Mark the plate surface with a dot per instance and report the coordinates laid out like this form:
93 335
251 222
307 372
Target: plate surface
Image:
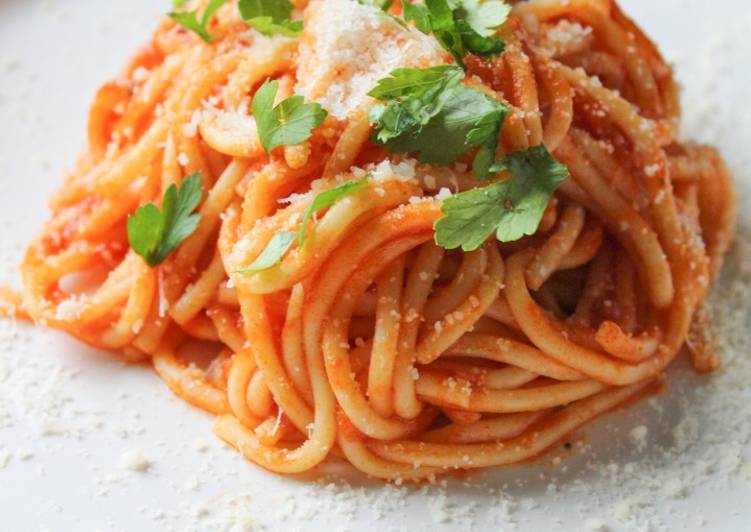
68 414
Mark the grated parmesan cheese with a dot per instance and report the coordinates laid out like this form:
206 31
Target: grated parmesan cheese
638 437
70 309
443 194
596 524
386 170
134 460
347 47
4 458
699 432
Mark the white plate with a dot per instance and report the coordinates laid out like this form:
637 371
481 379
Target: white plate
68 413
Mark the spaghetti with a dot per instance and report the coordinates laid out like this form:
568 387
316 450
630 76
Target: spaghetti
371 342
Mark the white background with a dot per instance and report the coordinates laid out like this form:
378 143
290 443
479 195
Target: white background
67 413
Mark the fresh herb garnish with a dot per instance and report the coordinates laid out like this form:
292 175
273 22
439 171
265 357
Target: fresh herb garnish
416 82
155 233
273 252
270 17
415 96
191 21
511 208
461 26
326 199
430 113
281 242
289 123
484 17
381 4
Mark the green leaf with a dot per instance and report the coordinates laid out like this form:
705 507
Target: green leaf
191 21
381 4
478 45
417 96
266 26
155 233
278 10
486 134
419 14
461 26
512 208
145 230
326 199
431 114
262 108
485 17
444 28
270 17
415 82
484 159
291 122
273 252
211 10
281 242
180 222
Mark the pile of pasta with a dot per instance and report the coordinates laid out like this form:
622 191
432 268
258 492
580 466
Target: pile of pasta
371 343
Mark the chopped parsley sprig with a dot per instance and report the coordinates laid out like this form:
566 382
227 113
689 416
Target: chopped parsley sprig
326 199
270 17
461 26
381 4
430 113
155 233
273 252
290 122
511 208
190 20
282 241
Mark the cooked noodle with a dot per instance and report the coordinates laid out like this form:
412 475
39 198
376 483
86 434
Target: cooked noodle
371 342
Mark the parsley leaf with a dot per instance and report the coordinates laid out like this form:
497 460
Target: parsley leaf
190 20
155 233
326 199
485 17
415 82
486 134
381 4
276 9
270 17
512 208
416 95
461 26
281 242
468 117
273 252
419 14
430 113
267 26
290 122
